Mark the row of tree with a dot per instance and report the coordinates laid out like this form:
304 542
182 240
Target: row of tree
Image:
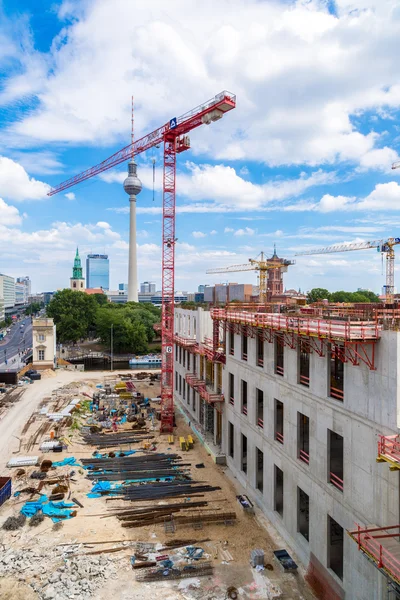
79 316
318 294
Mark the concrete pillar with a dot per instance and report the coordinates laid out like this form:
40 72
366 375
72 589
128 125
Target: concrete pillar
132 269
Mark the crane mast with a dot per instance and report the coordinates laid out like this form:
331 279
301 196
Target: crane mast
175 139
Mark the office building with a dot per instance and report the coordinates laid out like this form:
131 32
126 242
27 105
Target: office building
117 296
200 289
97 271
295 404
20 294
123 287
147 287
221 293
7 291
27 287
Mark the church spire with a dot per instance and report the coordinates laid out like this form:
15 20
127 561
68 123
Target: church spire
77 268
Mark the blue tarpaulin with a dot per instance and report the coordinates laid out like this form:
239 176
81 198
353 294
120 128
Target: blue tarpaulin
70 460
57 511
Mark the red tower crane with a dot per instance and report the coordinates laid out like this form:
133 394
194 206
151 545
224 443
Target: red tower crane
173 135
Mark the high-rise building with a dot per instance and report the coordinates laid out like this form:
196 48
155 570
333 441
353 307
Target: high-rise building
27 284
77 281
201 288
7 290
148 287
98 271
123 287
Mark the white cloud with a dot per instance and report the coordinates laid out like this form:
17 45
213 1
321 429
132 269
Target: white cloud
70 196
245 231
199 234
314 61
385 197
9 215
15 183
213 232
228 230
103 225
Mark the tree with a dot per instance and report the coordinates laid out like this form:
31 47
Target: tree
33 308
127 336
317 294
101 299
74 314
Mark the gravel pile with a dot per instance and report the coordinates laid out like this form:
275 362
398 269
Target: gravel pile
55 576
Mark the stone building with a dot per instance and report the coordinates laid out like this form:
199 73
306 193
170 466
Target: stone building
44 344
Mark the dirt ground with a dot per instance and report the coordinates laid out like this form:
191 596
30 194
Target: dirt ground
93 525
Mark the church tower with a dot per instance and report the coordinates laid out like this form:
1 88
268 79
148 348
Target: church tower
77 280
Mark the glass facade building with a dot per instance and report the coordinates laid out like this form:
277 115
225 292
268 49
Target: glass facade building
98 271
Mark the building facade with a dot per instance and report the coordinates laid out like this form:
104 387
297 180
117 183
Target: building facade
148 287
7 291
98 271
296 417
27 287
43 344
77 281
221 293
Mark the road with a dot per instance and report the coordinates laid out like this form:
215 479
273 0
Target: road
14 420
15 343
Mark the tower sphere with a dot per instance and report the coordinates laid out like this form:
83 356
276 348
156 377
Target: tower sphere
132 184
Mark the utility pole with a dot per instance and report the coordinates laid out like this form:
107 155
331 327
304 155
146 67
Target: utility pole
112 330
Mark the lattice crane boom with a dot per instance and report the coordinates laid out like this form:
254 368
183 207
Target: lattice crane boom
385 246
260 264
173 136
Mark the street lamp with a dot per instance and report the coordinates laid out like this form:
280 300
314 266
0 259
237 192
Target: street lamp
111 362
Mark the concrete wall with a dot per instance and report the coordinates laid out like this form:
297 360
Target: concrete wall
370 407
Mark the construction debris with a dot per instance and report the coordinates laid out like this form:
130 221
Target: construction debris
13 523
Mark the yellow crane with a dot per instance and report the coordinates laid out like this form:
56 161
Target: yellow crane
383 246
260 264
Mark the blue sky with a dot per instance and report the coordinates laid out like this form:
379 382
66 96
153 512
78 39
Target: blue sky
304 161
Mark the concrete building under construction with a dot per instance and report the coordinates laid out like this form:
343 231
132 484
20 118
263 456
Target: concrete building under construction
305 409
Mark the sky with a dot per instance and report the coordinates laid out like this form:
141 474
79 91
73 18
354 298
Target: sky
303 162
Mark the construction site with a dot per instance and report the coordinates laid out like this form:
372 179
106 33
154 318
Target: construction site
263 461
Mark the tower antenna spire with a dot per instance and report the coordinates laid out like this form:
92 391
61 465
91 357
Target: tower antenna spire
132 129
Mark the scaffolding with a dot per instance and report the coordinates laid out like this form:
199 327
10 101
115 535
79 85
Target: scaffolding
380 546
200 385
352 341
389 450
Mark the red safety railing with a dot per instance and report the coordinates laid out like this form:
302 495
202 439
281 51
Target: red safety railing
279 437
336 393
260 423
304 325
232 401
389 446
336 481
244 356
244 410
183 341
368 543
304 380
260 362
304 456
279 370
231 351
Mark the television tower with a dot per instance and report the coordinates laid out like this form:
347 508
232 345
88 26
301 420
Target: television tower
133 187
